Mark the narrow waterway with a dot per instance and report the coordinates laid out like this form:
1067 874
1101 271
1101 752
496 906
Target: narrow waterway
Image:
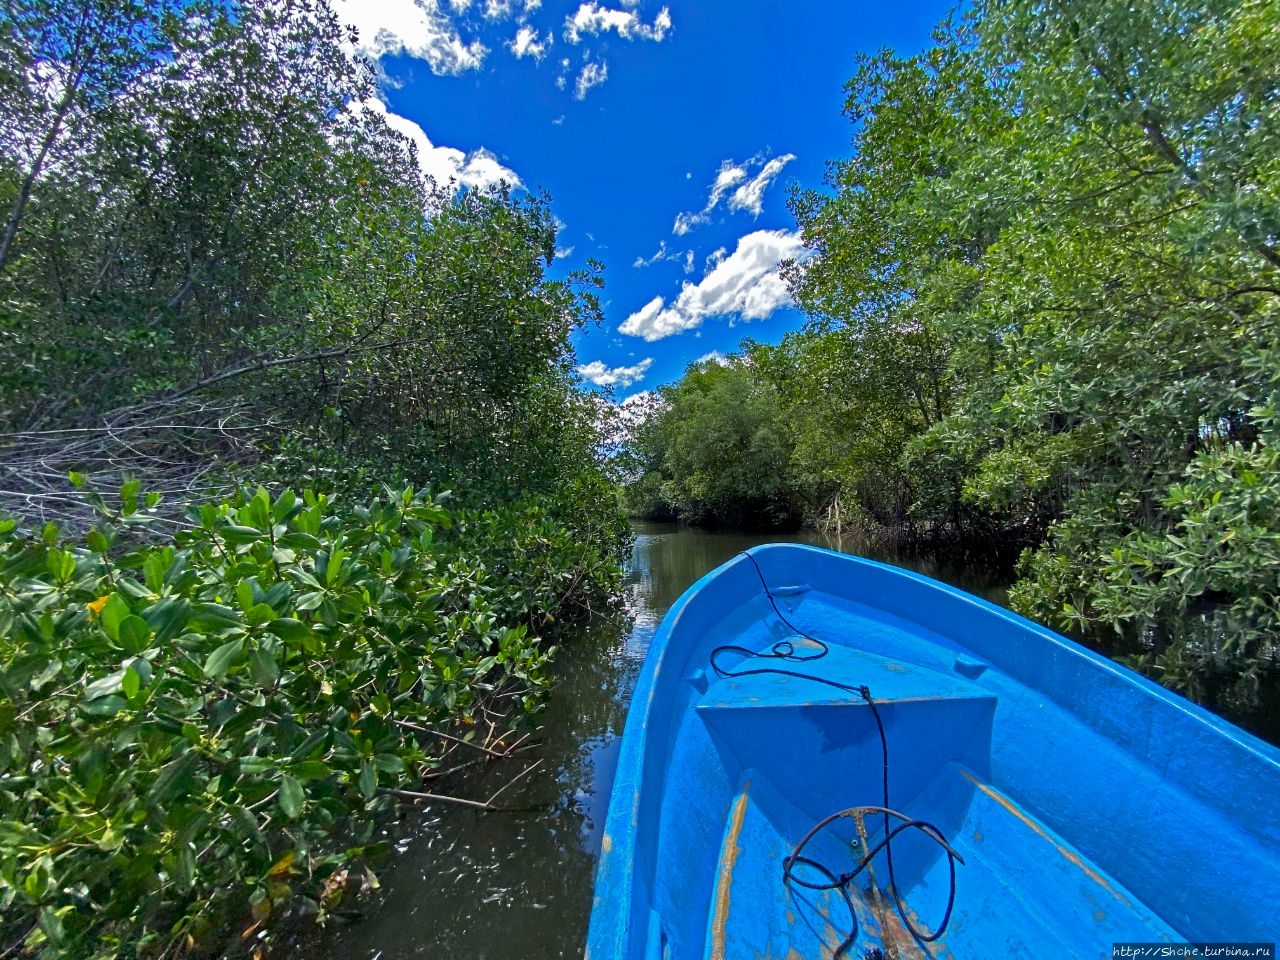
517 885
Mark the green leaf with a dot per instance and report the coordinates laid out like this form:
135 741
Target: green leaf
104 706
299 541
153 571
168 617
224 658
314 740
368 780
264 668
129 495
285 507
173 780
292 796
245 594
61 565
113 614
130 683
309 601
104 686
215 616
286 628
185 860
238 536
310 770
135 634
259 510
259 614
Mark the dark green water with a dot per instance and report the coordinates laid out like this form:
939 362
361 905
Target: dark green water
517 886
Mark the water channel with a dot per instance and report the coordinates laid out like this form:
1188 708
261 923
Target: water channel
517 885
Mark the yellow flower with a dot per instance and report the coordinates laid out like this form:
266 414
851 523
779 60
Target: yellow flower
95 606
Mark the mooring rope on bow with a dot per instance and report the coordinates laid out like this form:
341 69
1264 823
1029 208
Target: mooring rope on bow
785 651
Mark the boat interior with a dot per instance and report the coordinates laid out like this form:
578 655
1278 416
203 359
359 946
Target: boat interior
1042 798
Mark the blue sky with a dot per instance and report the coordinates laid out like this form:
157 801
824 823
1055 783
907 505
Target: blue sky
667 134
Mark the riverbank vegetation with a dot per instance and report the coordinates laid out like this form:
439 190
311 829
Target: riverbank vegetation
241 339
1043 303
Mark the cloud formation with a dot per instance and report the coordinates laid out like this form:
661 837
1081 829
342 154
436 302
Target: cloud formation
592 75
591 18
526 43
479 169
602 376
418 28
685 259
748 196
744 285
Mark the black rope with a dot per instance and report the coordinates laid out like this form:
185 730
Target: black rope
784 650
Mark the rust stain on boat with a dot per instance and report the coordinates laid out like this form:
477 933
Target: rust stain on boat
728 857
1069 855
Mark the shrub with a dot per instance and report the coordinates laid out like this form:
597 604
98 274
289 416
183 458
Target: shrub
205 729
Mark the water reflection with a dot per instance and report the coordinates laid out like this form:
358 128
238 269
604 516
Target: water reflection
518 885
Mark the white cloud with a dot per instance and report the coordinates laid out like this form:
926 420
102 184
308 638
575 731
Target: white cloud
564 251
688 261
494 9
418 28
715 356
663 254
687 221
728 175
594 19
714 257
603 376
750 196
743 285
592 75
479 169
526 43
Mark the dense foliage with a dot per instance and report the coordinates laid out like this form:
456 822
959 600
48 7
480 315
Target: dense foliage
1043 303
221 269
218 245
185 725
710 450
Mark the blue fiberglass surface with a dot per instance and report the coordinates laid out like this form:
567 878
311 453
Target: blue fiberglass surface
1089 805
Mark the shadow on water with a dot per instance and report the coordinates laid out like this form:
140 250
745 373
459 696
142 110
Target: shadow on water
518 885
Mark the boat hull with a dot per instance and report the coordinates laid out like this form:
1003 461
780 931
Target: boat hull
1089 806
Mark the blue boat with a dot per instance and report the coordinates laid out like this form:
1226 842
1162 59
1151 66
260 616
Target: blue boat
830 757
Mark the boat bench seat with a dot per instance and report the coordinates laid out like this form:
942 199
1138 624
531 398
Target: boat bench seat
888 680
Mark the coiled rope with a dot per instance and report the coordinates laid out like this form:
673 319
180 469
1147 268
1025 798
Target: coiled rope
785 651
